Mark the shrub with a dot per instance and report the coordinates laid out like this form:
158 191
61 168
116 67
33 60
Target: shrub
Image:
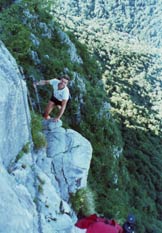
19 156
83 201
14 34
24 150
4 4
36 128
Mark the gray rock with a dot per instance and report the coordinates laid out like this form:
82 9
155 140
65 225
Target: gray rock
35 189
34 40
72 49
17 209
71 154
14 111
46 31
35 58
79 82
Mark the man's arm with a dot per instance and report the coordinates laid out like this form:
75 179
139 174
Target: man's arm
42 82
63 107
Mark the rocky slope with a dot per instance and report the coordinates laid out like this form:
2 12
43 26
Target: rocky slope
36 186
125 37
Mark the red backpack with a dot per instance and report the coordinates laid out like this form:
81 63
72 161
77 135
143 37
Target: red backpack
95 224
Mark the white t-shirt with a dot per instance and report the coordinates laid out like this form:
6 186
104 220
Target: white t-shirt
62 94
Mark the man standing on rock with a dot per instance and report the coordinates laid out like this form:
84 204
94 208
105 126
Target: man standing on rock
59 97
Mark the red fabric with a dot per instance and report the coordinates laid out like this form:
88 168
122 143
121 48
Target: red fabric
94 224
101 227
117 226
84 223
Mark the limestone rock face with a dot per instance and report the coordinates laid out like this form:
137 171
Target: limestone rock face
14 111
71 154
17 208
62 170
35 188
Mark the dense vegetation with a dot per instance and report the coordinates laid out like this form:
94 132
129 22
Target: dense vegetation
139 18
126 137
131 72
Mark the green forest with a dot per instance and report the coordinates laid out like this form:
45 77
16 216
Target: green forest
116 104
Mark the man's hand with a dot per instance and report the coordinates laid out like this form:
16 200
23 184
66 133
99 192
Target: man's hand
56 119
34 84
42 82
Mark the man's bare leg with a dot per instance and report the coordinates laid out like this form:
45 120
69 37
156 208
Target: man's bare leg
48 109
59 107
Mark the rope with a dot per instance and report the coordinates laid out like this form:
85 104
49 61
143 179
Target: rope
33 161
37 95
30 101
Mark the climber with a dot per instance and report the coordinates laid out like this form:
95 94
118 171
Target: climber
95 224
59 97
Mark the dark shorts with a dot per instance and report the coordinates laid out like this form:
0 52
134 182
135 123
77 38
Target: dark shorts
56 101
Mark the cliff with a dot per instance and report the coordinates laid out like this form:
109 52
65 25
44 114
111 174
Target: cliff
36 184
116 104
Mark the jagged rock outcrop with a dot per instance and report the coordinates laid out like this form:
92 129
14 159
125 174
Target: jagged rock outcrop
70 154
74 57
35 188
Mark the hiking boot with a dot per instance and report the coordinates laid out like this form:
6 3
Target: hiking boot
47 117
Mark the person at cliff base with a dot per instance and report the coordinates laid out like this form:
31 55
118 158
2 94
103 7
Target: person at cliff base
95 224
59 98
129 225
